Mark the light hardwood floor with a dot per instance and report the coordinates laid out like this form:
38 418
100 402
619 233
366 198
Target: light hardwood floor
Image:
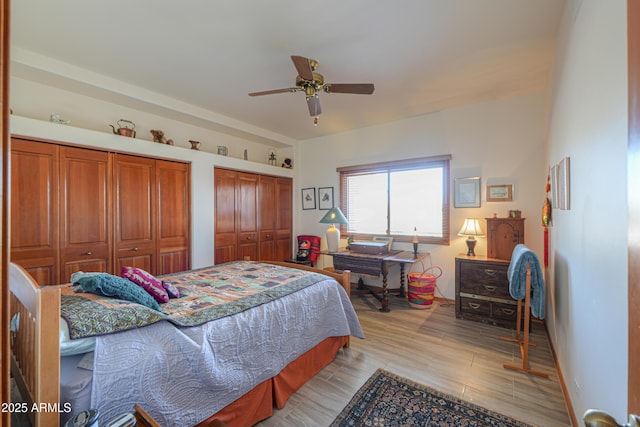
432 347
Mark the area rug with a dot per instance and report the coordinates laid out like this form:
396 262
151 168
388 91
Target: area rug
387 400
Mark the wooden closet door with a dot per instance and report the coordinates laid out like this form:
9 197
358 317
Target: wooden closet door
34 209
267 217
226 242
85 211
247 216
284 218
135 204
173 184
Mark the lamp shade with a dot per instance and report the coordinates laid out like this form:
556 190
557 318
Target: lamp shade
471 227
334 216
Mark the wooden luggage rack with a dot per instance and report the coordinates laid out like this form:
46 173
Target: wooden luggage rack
523 339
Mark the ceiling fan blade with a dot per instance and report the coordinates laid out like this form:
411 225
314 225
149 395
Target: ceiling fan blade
303 65
357 88
270 92
313 102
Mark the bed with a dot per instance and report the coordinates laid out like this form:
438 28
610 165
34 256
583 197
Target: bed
235 361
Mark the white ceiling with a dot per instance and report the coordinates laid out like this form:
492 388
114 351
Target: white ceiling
207 55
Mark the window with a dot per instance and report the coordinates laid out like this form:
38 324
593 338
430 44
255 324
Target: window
396 198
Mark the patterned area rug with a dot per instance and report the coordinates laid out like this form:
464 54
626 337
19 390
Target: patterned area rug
389 400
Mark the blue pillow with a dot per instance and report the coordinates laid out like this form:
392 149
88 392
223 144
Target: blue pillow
109 285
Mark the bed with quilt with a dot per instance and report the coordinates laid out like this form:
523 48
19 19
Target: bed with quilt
227 342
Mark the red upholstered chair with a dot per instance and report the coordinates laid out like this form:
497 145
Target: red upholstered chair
308 248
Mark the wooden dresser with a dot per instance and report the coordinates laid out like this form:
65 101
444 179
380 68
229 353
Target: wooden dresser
482 291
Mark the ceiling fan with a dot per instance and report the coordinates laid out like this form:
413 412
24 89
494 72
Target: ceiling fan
312 83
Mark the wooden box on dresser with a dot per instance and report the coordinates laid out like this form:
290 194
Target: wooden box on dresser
482 291
503 234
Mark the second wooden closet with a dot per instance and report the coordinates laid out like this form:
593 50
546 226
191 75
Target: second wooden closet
253 216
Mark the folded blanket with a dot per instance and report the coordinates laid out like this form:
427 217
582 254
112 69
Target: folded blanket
517 274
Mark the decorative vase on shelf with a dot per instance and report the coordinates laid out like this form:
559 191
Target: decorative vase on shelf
195 145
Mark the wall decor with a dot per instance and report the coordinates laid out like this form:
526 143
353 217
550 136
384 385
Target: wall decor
553 173
325 198
500 193
309 198
158 136
466 192
272 156
564 185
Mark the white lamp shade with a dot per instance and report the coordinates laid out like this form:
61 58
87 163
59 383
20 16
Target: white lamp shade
333 238
471 227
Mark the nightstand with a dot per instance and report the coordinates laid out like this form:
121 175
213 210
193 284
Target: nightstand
482 291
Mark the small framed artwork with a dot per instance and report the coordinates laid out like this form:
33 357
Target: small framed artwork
553 174
564 185
308 198
500 193
466 192
325 198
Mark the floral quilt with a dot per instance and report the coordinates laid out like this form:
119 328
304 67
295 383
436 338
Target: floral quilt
205 294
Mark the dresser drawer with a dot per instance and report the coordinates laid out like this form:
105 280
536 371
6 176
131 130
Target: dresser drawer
484 279
487 311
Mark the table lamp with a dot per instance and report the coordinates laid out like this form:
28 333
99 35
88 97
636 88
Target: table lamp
471 228
333 216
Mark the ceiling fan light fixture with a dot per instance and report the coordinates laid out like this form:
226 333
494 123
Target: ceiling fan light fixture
312 84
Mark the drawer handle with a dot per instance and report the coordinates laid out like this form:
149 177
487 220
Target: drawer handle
490 288
89 253
508 311
474 305
135 249
248 237
490 272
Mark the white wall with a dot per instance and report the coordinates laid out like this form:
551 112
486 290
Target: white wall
37 101
500 141
587 281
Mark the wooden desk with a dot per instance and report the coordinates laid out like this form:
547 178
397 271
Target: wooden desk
374 265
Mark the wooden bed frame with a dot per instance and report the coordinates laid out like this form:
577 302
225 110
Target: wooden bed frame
35 353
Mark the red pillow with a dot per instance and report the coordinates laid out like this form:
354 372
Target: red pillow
146 281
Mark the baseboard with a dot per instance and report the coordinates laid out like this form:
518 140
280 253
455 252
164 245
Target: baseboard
563 385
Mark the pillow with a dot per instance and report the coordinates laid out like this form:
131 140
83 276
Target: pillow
117 287
69 347
172 291
145 280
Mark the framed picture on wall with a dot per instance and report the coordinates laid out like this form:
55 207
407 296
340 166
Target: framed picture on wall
325 198
309 198
466 192
564 185
500 193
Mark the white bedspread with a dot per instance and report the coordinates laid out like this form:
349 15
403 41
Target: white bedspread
183 376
